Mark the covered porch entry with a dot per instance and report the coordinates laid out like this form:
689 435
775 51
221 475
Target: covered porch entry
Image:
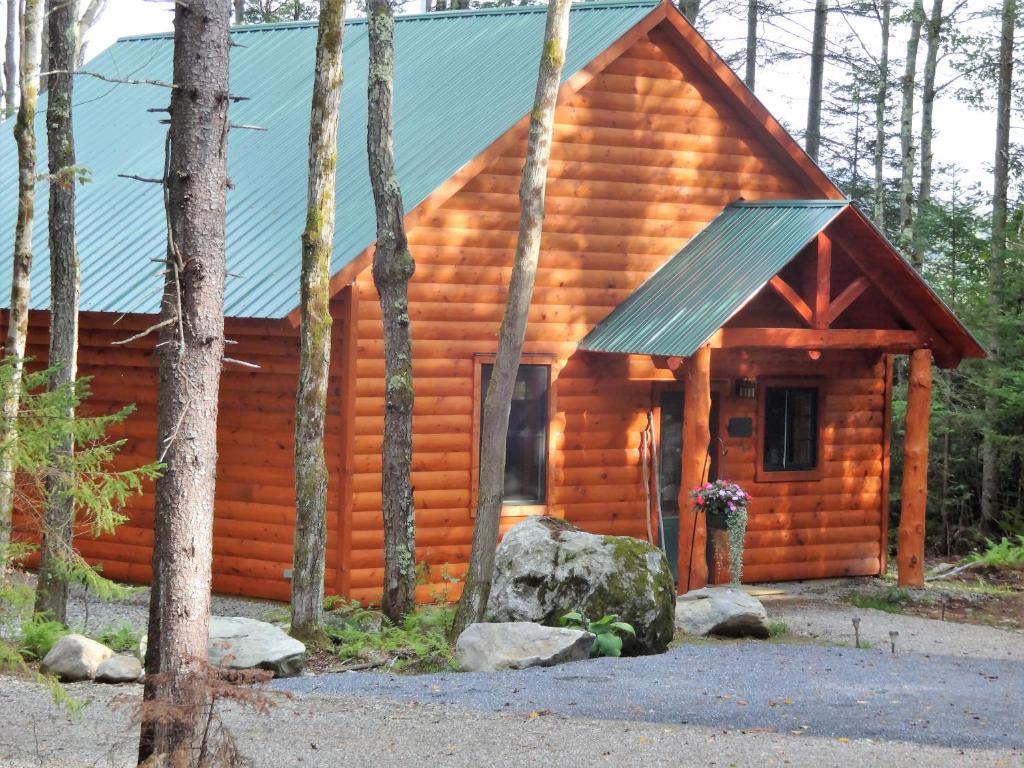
780 322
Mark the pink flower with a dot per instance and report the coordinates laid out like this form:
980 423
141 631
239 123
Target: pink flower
700 500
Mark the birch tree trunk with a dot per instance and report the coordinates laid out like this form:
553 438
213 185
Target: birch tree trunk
17 320
880 104
393 267
812 137
997 262
310 544
933 30
240 12
93 10
494 427
907 149
59 513
750 70
690 9
191 355
11 50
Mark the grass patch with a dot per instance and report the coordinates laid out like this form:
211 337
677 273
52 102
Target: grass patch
891 600
978 587
417 645
777 629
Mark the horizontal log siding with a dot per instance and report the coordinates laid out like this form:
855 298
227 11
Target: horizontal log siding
643 157
817 528
255 499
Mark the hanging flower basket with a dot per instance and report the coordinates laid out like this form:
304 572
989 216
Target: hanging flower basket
725 507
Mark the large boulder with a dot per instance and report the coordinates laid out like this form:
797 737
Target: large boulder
518 645
721 611
546 567
119 669
240 643
74 658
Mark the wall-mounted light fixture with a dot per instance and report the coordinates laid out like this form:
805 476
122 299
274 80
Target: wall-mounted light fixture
746 389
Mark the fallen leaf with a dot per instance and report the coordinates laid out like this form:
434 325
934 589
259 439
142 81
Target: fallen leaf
843 740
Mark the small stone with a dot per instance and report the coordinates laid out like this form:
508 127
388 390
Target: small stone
517 645
721 611
74 658
119 669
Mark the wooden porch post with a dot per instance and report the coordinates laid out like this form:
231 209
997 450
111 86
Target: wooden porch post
693 568
910 552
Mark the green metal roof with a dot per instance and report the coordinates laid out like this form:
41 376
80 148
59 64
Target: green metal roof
461 80
694 293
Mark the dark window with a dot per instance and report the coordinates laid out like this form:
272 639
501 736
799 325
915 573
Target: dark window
526 447
790 428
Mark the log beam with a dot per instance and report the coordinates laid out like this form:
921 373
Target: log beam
814 339
791 297
849 295
693 568
823 281
910 553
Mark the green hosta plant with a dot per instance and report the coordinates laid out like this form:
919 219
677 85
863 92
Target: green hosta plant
608 632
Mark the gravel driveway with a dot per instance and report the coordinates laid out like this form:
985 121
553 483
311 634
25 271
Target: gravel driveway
819 691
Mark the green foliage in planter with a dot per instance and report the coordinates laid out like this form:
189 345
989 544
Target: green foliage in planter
726 500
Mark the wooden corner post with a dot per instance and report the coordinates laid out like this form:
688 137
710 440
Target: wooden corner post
914 499
693 567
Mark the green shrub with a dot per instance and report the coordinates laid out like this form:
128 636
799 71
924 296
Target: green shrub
608 632
120 637
777 628
1004 554
37 636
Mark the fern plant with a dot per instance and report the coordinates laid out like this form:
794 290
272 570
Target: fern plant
608 632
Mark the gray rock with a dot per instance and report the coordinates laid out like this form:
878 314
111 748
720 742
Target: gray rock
517 645
74 658
721 611
119 669
240 643
546 567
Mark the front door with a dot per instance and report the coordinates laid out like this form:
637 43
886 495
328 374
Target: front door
670 468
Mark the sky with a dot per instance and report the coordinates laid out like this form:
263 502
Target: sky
964 136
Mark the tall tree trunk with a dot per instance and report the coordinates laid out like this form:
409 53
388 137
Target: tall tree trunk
997 264
315 332
191 355
880 104
494 427
690 9
933 30
393 267
239 11
750 70
17 320
11 50
58 517
812 137
907 149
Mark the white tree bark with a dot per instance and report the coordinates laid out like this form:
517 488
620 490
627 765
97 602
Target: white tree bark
907 148
17 321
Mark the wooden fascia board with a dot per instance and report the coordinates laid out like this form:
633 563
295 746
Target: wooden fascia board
517 132
697 49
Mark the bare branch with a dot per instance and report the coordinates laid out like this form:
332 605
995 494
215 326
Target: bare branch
156 327
133 177
242 363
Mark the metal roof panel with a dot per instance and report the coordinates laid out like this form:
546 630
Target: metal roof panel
461 80
698 290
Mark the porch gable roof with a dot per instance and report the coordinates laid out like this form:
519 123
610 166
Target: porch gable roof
696 292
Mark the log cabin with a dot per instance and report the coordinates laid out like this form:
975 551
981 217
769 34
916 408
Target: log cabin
708 304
